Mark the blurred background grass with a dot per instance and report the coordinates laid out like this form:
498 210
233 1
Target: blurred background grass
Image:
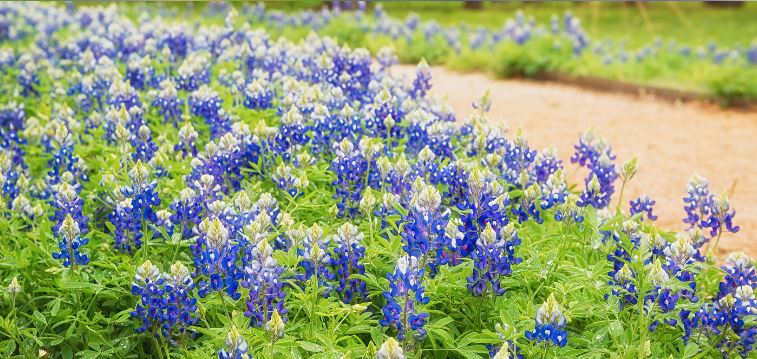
638 23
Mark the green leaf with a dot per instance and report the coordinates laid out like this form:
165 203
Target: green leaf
39 317
7 347
616 329
311 347
690 350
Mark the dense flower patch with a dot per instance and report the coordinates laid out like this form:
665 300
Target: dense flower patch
523 46
179 190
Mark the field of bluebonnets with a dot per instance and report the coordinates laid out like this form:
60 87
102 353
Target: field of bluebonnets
182 188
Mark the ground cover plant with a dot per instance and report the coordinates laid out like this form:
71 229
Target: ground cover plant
534 42
188 189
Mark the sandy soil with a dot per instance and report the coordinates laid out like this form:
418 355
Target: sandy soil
671 140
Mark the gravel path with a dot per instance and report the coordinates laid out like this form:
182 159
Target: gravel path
671 140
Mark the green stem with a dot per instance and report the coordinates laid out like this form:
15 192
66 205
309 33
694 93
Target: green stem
156 346
165 349
620 196
223 301
642 320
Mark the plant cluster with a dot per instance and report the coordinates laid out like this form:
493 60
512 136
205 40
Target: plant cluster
197 191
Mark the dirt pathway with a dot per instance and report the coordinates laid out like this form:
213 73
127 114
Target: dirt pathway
671 140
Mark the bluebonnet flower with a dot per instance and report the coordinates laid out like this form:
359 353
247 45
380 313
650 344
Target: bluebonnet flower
148 286
187 212
721 217
485 203
739 271
406 291
346 262
236 346
423 229
508 350
351 169
391 348
65 199
187 140
163 223
493 258
70 243
314 258
698 202
422 81
206 103
219 169
134 209
168 103
727 320
386 57
193 73
569 211
526 207
258 95
519 162
545 164
288 181
706 212
592 194
643 205
596 155
291 134
623 286
550 324
554 190
121 93
180 305
676 263
215 260
139 71
144 147
262 275
28 79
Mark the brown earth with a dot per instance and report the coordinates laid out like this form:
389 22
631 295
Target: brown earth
671 140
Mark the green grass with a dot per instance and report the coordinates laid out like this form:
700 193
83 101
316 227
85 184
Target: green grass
689 23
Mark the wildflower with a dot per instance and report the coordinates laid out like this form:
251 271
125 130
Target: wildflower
720 217
596 155
236 346
739 271
262 276
258 95
351 169
168 102
569 211
275 326
14 287
406 291
346 261
391 349
180 304
70 243
215 259
148 286
423 230
550 324
186 212
526 207
493 259
315 257
135 209
643 205
187 140
485 203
